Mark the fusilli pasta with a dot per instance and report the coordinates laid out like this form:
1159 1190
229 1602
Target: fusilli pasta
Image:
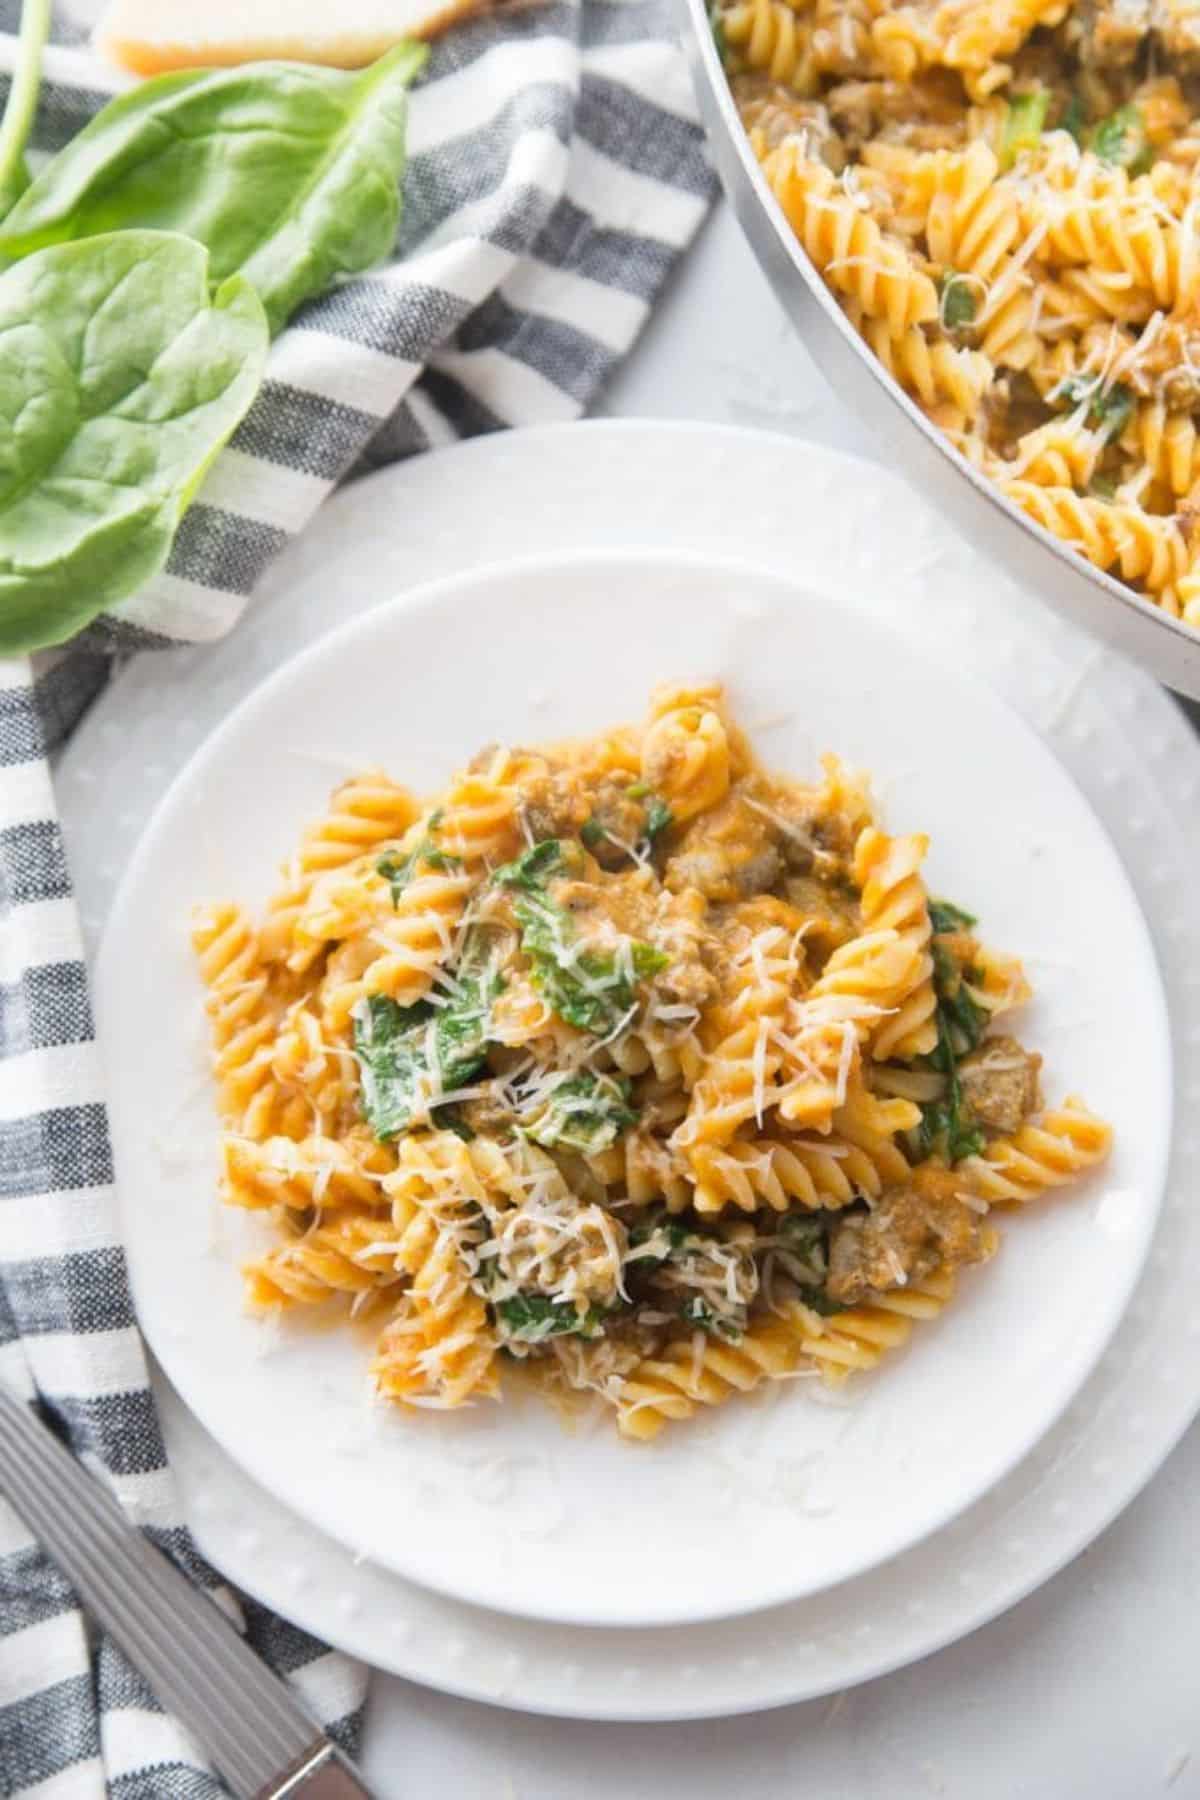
1001 194
628 1060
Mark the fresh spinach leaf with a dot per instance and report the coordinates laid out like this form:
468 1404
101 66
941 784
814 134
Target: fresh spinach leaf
120 379
584 1112
531 1318
1024 124
22 102
289 174
1121 139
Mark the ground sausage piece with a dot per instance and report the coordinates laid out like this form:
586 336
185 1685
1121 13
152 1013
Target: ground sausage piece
729 852
1000 1083
620 824
832 912
914 1230
554 805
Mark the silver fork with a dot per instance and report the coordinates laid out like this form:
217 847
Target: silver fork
242 1714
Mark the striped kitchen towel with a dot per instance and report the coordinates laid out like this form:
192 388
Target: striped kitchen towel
556 174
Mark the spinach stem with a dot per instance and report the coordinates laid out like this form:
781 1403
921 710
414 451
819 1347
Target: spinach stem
22 96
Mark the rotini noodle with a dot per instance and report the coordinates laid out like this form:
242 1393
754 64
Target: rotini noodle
629 1061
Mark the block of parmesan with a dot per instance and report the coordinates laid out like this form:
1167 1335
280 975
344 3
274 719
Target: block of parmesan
150 36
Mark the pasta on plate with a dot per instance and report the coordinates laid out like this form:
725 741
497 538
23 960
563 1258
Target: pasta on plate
629 1061
1002 196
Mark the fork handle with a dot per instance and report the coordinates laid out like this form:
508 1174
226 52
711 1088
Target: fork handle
320 1774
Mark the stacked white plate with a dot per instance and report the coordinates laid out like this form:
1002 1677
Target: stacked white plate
803 1546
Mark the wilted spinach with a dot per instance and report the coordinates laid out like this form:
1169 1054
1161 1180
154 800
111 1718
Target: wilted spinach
398 871
585 1112
947 1127
591 989
531 1318
406 1052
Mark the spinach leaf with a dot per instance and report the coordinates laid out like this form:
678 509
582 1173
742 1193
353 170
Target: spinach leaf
1108 408
120 379
806 1240
584 1112
945 917
946 1128
699 1313
406 1052
659 816
398 871
1121 139
717 26
1074 118
22 102
591 989
588 988
287 173
961 1022
956 304
665 1235
389 1044
531 1318
533 868
1023 125
807 1236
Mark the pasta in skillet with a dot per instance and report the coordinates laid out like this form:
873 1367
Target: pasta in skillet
1002 196
626 1060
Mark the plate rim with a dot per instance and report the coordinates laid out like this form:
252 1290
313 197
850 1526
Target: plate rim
428 596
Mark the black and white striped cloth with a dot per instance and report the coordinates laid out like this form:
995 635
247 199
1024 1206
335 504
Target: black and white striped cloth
556 174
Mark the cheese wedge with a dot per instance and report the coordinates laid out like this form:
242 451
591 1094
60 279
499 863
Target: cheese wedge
150 36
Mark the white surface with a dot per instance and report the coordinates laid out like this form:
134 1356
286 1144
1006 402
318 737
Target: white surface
1088 1689
565 1516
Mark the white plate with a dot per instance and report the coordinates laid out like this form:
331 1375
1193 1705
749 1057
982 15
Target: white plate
567 646
792 507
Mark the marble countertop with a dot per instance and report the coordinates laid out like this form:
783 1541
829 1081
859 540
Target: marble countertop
1089 1690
